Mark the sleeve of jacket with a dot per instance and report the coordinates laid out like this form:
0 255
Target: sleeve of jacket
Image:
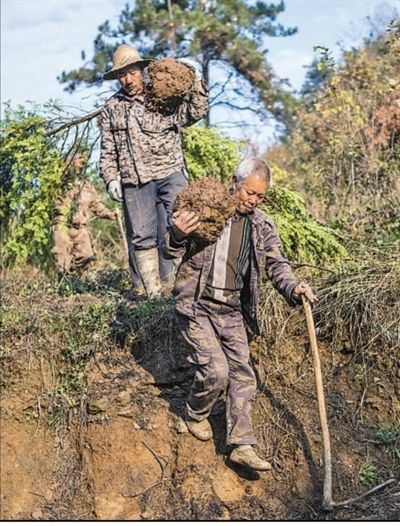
171 248
195 105
108 151
97 207
277 267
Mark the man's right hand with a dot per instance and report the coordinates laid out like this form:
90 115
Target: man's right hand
114 190
183 224
303 288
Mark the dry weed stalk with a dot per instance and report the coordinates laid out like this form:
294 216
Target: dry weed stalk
367 303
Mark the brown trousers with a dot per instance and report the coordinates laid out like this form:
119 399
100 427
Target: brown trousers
72 248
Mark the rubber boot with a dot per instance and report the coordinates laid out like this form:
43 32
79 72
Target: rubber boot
147 264
167 284
167 274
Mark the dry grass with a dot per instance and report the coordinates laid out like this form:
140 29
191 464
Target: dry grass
357 312
367 304
358 328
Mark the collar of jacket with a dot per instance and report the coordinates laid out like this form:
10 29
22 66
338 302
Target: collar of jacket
122 95
257 216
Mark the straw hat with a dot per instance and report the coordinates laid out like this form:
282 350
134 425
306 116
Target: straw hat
124 56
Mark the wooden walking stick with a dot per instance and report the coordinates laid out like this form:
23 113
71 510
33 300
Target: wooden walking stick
123 235
327 502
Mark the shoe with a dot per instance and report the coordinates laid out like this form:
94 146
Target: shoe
201 430
247 457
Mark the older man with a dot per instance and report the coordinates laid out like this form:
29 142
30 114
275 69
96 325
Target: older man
142 163
217 291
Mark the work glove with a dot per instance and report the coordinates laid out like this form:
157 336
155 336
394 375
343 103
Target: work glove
114 190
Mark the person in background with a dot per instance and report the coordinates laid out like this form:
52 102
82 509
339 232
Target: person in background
72 246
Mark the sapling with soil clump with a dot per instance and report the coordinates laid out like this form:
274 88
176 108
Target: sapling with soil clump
212 202
168 81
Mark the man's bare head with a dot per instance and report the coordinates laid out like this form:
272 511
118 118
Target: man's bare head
251 179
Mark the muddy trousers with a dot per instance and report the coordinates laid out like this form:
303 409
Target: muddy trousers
147 209
72 248
220 353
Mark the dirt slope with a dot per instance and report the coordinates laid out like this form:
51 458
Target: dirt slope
116 448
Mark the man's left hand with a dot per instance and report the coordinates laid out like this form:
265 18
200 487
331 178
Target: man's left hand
304 288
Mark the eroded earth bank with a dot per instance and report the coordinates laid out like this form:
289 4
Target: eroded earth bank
94 384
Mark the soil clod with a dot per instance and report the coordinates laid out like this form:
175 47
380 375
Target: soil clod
212 202
168 83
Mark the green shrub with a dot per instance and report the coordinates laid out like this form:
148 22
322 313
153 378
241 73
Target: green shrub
208 153
302 237
31 175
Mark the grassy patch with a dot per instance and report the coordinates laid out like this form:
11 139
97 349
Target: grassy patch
389 438
367 474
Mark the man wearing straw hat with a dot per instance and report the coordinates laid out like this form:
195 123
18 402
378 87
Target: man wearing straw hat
142 164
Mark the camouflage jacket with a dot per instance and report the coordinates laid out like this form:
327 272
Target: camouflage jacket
265 259
141 145
73 208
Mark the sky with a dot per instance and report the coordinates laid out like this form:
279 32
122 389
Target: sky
41 38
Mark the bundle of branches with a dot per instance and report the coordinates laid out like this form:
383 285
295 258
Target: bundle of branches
212 202
303 238
167 84
363 307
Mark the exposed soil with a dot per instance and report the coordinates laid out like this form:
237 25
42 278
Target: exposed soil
168 82
211 201
121 451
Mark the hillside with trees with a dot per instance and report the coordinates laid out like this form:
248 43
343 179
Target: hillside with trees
342 148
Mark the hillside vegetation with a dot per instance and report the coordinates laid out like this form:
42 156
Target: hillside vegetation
94 381
342 150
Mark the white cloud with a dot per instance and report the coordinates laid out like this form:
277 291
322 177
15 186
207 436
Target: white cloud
41 39
319 19
22 15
